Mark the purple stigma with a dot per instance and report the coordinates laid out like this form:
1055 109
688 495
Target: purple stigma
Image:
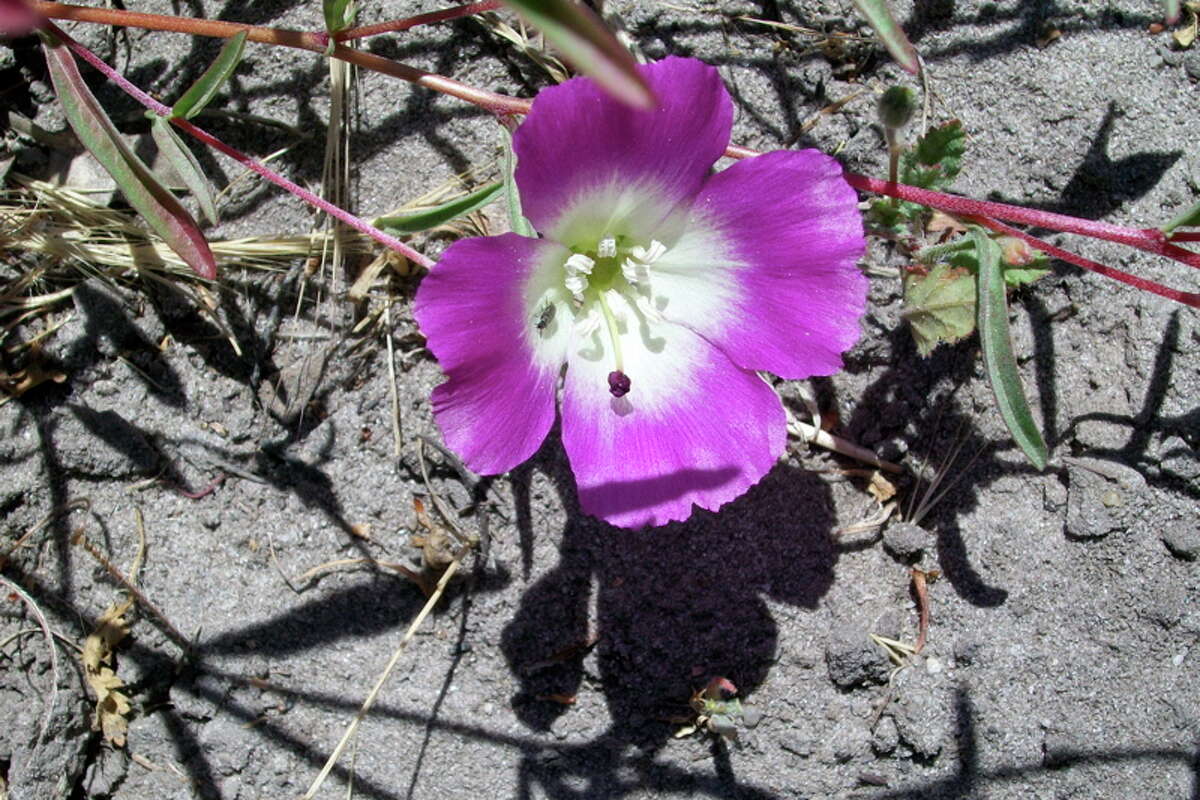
618 383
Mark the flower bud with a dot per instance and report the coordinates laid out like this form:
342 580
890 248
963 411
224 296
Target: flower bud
1015 252
896 106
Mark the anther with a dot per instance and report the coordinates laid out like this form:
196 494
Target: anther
607 247
618 383
578 263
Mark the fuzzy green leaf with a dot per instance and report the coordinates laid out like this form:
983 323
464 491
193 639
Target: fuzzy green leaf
185 165
881 19
201 93
935 161
1036 269
584 40
156 205
1188 219
998 356
940 306
339 15
424 220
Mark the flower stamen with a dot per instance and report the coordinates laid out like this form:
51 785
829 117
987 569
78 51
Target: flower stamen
578 266
615 336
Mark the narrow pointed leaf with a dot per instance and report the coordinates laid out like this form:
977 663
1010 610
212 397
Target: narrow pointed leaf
1171 8
998 356
584 40
185 165
157 206
339 15
516 219
1188 219
881 19
201 93
424 220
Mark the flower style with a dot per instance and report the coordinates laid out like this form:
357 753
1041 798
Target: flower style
662 287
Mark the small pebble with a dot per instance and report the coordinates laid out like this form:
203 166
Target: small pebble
1191 64
1182 540
905 540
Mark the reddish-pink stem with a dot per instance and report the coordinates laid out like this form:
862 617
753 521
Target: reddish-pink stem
1185 237
396 25
149 102
1149 239
1187 298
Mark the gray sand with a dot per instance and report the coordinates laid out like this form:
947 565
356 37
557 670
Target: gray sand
1064 645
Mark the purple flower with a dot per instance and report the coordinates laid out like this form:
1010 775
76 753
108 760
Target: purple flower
662 287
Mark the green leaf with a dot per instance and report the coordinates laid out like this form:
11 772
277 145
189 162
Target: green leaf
185 165
935 161
424 220
998 356
881 19
201 93
157 206
518 222
1188 219
1036 267
584 40
940 306
339 15
1171 11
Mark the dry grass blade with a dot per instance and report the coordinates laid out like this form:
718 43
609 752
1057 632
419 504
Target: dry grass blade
32 605
387 671
71 229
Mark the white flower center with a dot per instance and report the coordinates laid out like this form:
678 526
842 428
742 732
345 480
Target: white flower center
613 267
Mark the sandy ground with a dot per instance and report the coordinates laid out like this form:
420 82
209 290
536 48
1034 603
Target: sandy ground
1064 645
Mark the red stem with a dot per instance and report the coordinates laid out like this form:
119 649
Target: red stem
1149 239
313 42
396 25
1187 298
163 111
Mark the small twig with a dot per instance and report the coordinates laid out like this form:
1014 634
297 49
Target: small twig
45 626
921 590
165 625
830 442
397 25
79 503
387 671
393 388
206 491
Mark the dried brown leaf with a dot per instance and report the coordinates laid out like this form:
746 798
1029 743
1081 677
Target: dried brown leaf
112 705
881 488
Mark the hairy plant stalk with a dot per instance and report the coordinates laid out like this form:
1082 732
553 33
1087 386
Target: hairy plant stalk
396 25
313 42
149 102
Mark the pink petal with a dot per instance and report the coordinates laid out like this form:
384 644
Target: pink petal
694 429
578 142
766 268
476 308
17 18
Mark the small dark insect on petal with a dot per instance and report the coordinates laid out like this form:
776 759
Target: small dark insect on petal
618 383
545 317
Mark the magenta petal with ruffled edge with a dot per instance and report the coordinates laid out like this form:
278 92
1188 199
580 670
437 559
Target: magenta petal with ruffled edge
767 267
578 143
497 404
645 459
